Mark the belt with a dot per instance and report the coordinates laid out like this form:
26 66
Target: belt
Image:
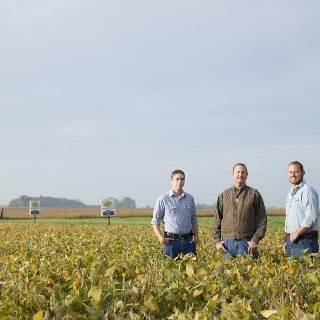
178 235
308 235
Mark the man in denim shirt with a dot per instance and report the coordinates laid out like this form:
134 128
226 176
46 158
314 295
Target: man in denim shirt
177 210
301 225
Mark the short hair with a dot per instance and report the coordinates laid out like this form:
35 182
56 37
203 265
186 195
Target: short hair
240 164
297 163
177 172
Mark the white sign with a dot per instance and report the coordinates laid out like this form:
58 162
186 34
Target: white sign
107 207
34 207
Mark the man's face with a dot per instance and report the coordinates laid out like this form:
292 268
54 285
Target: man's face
239 175
177 181
295 174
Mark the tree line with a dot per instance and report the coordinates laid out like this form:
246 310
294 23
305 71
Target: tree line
51 202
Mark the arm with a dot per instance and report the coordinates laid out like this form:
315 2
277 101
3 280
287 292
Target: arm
309 211
158 214
216 227
157 231
195 232
261 219
295 235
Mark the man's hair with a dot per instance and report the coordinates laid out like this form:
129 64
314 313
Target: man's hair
176 172
240 164
297 163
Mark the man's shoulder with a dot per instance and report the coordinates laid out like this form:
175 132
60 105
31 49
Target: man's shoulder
188 195
226 190
307 186
165 195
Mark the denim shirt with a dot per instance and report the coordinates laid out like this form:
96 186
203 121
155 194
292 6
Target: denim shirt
302 208
177 213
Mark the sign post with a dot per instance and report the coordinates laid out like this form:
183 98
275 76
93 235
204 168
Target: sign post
34 208
107 208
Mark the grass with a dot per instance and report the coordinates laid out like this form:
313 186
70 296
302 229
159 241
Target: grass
274 222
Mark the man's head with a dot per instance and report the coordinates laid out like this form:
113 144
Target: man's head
177 172
295 172
177 181
239 174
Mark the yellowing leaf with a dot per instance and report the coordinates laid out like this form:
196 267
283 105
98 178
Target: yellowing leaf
189 270
152 304
38 315
95 293
203 272
291 270
109 271
198 291
267 313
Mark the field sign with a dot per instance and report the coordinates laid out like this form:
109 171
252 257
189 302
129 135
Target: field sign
34 207
107 207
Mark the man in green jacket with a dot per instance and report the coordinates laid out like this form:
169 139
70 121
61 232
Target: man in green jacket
240 221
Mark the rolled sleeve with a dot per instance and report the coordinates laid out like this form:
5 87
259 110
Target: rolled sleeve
158 212
194 217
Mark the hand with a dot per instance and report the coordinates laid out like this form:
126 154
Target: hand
252 247
284 246
195 239
284 243
220 247
165 240
293 237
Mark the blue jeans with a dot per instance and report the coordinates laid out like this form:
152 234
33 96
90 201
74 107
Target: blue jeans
307 245
238 247
176 246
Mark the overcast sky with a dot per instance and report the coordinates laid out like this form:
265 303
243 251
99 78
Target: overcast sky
106 98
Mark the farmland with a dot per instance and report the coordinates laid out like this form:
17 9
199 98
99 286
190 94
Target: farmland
99 271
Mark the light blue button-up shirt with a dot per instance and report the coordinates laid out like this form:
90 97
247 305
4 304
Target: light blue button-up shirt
177 213
302 208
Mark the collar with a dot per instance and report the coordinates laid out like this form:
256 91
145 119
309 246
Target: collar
302 183
237 190
172 194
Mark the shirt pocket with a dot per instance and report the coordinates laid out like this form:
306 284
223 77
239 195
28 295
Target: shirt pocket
295 203
187 210
171 210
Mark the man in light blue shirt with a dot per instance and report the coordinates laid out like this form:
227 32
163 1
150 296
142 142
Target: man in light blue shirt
177 210
301 225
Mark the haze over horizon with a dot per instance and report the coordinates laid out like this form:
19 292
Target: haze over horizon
107 98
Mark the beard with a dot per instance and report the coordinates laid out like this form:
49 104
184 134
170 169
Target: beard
296 181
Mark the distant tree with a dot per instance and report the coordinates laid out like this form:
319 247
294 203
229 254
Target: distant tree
127 202
204 206
116 202
50 202
21 202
